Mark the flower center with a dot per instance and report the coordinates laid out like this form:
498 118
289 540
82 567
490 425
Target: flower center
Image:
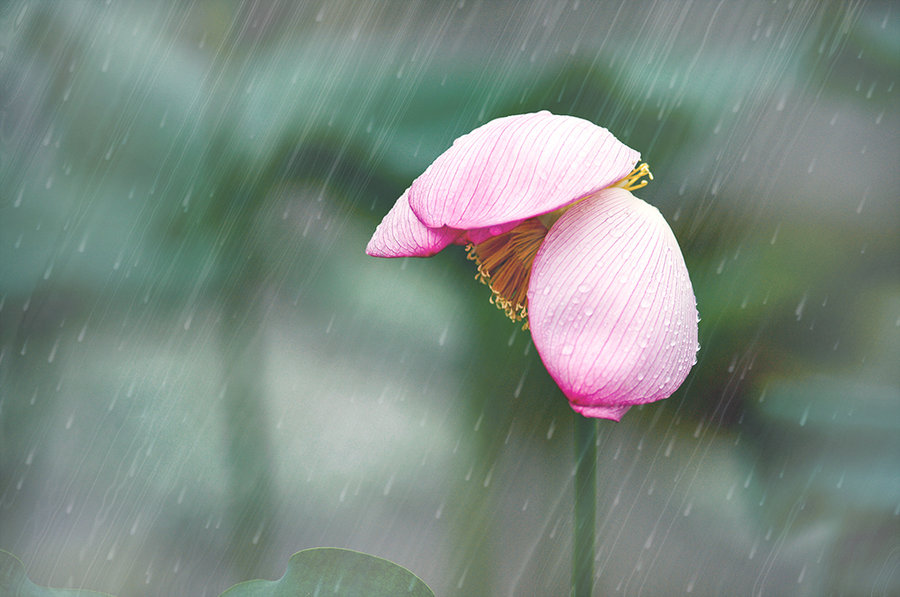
504 261
504 264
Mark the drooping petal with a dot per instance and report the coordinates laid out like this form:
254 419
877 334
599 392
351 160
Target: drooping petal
517 167
402 234
610 305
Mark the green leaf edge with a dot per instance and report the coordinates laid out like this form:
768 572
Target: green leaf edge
294 559
14 580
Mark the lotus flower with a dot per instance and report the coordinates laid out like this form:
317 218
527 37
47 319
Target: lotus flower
544 206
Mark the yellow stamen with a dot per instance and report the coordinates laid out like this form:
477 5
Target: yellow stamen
504 265
634 181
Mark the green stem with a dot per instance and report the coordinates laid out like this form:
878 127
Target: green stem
585 434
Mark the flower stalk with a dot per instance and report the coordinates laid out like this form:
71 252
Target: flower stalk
585 434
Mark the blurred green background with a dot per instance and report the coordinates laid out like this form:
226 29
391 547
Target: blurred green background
202 372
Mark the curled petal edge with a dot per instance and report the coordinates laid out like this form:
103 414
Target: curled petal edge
613 413
402 234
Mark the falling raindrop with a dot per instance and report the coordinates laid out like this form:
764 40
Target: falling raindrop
805 416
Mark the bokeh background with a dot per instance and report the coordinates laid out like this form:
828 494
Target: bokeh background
203 373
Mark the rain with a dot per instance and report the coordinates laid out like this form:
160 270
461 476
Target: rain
202 372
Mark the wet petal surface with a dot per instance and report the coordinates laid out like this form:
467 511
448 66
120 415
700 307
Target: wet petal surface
611 308
516 167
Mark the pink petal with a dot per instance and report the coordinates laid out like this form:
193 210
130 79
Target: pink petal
516 167
610 305
479 235
401 234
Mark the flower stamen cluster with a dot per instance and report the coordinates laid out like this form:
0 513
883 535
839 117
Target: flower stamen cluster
504 265
635 180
